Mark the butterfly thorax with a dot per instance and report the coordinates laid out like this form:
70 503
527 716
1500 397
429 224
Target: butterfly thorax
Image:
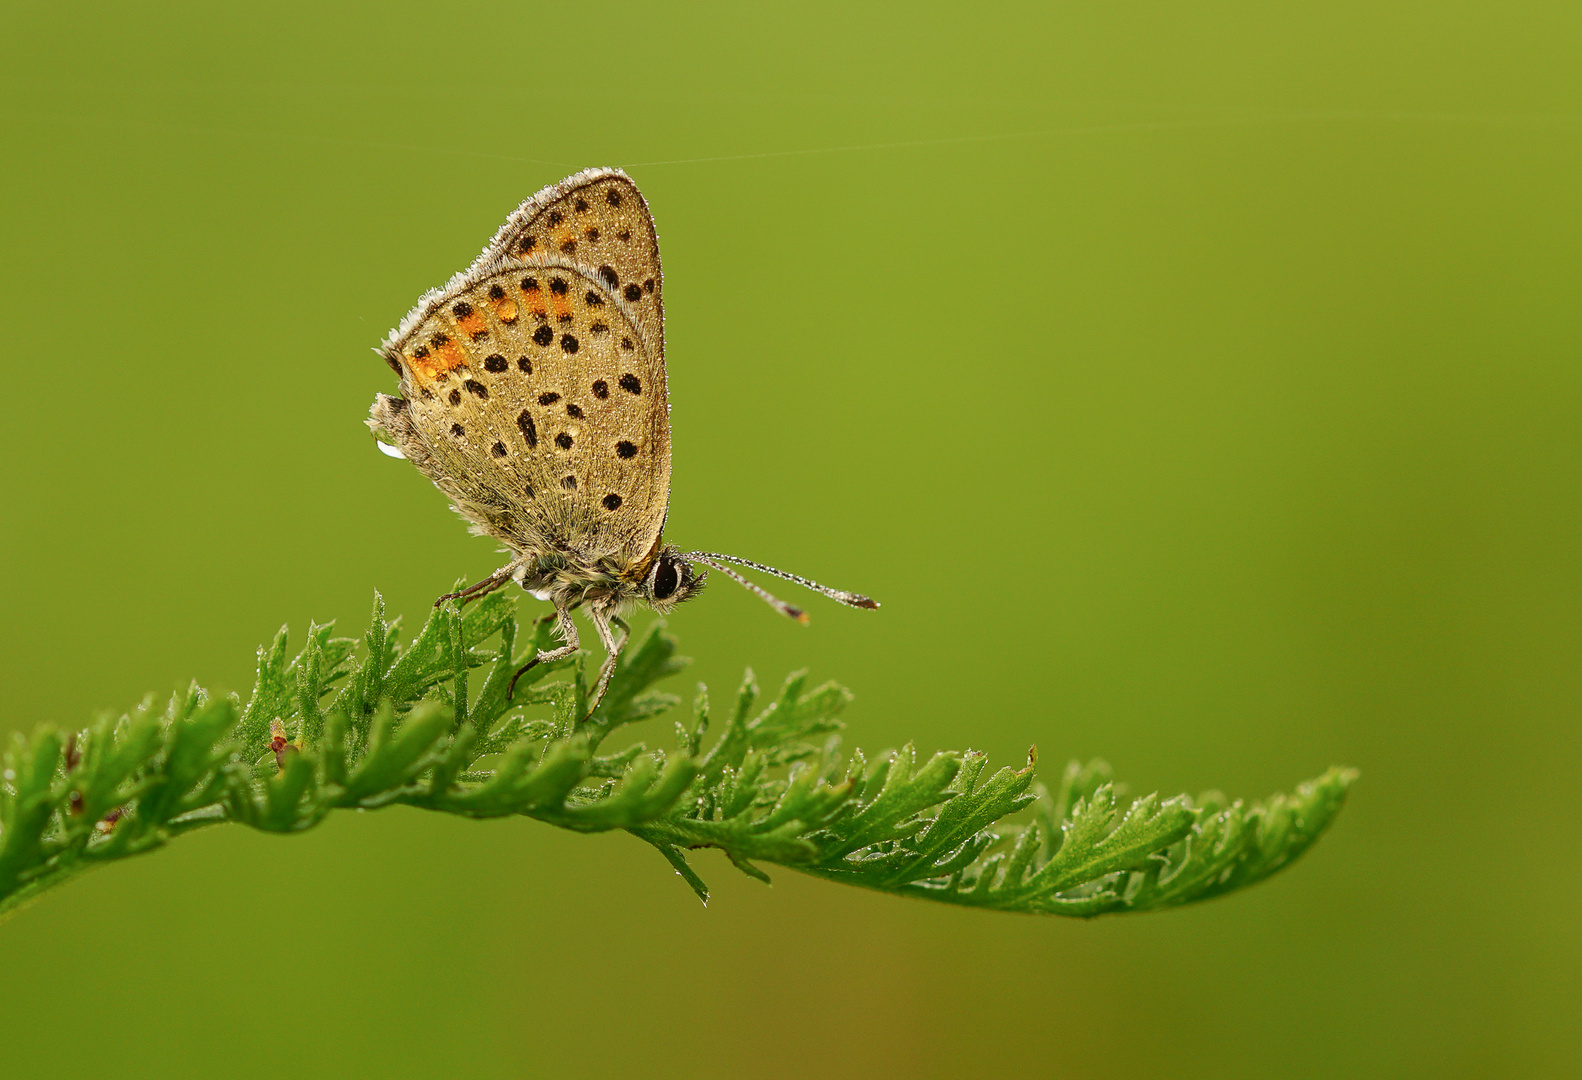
574 580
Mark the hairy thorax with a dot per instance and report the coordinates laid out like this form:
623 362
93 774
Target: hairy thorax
572 581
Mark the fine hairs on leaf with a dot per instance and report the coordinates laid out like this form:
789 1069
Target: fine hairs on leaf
370 723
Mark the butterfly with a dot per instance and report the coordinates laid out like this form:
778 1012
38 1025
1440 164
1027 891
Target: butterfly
533 394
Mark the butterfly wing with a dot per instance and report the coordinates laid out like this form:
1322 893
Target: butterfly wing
599 220
555 336
532 400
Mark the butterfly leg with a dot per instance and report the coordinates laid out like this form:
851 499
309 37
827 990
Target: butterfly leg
612 650
568 634
481 588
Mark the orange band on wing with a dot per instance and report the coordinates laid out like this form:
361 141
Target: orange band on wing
451 356
440 355
472 324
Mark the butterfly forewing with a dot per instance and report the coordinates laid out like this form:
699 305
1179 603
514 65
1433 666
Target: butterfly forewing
539 403
595 219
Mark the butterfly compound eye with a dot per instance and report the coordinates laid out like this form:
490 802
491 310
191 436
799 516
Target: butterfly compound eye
666 578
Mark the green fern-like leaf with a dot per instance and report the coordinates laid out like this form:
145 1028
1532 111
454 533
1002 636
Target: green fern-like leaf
363 724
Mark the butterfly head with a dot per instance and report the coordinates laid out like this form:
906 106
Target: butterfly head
671 581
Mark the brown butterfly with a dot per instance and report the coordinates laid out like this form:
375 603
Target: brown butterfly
533 395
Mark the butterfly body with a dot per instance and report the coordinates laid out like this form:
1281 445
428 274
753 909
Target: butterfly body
533 394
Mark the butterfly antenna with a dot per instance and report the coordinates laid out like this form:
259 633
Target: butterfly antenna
718 561
788 610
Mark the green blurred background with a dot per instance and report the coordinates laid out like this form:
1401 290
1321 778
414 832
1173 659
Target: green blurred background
1197 385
